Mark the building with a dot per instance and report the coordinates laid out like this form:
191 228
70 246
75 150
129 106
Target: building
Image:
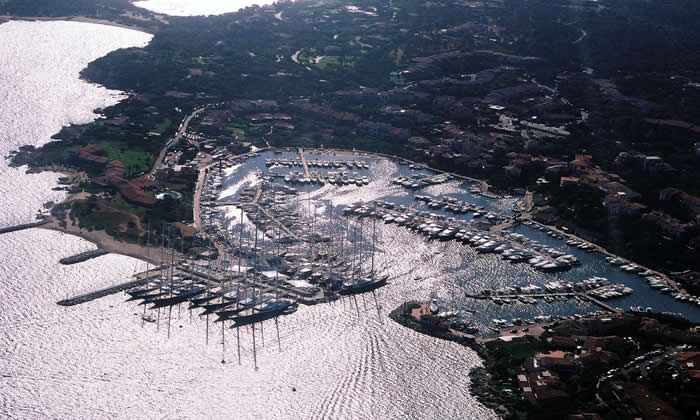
618 205
666 224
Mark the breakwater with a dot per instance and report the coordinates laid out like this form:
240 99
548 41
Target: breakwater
83 256
23 226
103 292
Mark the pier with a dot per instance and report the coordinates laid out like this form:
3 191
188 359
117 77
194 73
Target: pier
278 223
257 195
23 226
600 303
303 163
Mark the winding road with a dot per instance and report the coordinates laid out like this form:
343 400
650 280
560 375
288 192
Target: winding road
180 132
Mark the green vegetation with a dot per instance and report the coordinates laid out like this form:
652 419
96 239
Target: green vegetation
135 161
443 61
160 128
508 356
118 201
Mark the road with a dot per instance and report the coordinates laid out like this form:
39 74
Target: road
180 132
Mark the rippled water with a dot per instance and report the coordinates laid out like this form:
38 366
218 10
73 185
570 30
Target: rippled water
98 360
197 7
448 270
40 91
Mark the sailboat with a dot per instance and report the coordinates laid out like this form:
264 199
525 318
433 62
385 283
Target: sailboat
370 283
261 309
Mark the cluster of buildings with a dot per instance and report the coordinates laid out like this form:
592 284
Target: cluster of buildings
577 350
642 162
581 175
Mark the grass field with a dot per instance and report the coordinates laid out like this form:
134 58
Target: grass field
164 125
134 160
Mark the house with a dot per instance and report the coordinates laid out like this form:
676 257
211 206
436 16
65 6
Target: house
690 202
581 164
568 181
419 143
667 224
560 364
669 193
599 359
615 187
559 342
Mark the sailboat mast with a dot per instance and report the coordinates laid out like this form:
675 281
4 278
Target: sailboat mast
255 266
148 252
172 272
360 251
374 238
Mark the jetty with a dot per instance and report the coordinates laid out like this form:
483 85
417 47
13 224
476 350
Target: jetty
83 256
23 226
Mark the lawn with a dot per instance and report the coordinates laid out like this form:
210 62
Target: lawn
118 201
347 62
134 160
164 125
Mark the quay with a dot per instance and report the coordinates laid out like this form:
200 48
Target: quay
599 249
23 226
83 256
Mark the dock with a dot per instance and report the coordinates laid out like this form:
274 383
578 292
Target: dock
23 226
219 204
569 295
278 223
303 163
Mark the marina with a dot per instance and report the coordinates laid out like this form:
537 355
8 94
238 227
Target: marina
273 245
174 267
315 236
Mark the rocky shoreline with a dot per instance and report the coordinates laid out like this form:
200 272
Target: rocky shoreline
481 381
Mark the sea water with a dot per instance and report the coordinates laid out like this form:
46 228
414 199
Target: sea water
101 360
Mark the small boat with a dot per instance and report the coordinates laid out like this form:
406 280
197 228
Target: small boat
434 306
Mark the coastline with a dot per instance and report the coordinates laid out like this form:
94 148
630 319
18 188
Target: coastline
78 18
481 381
102 240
